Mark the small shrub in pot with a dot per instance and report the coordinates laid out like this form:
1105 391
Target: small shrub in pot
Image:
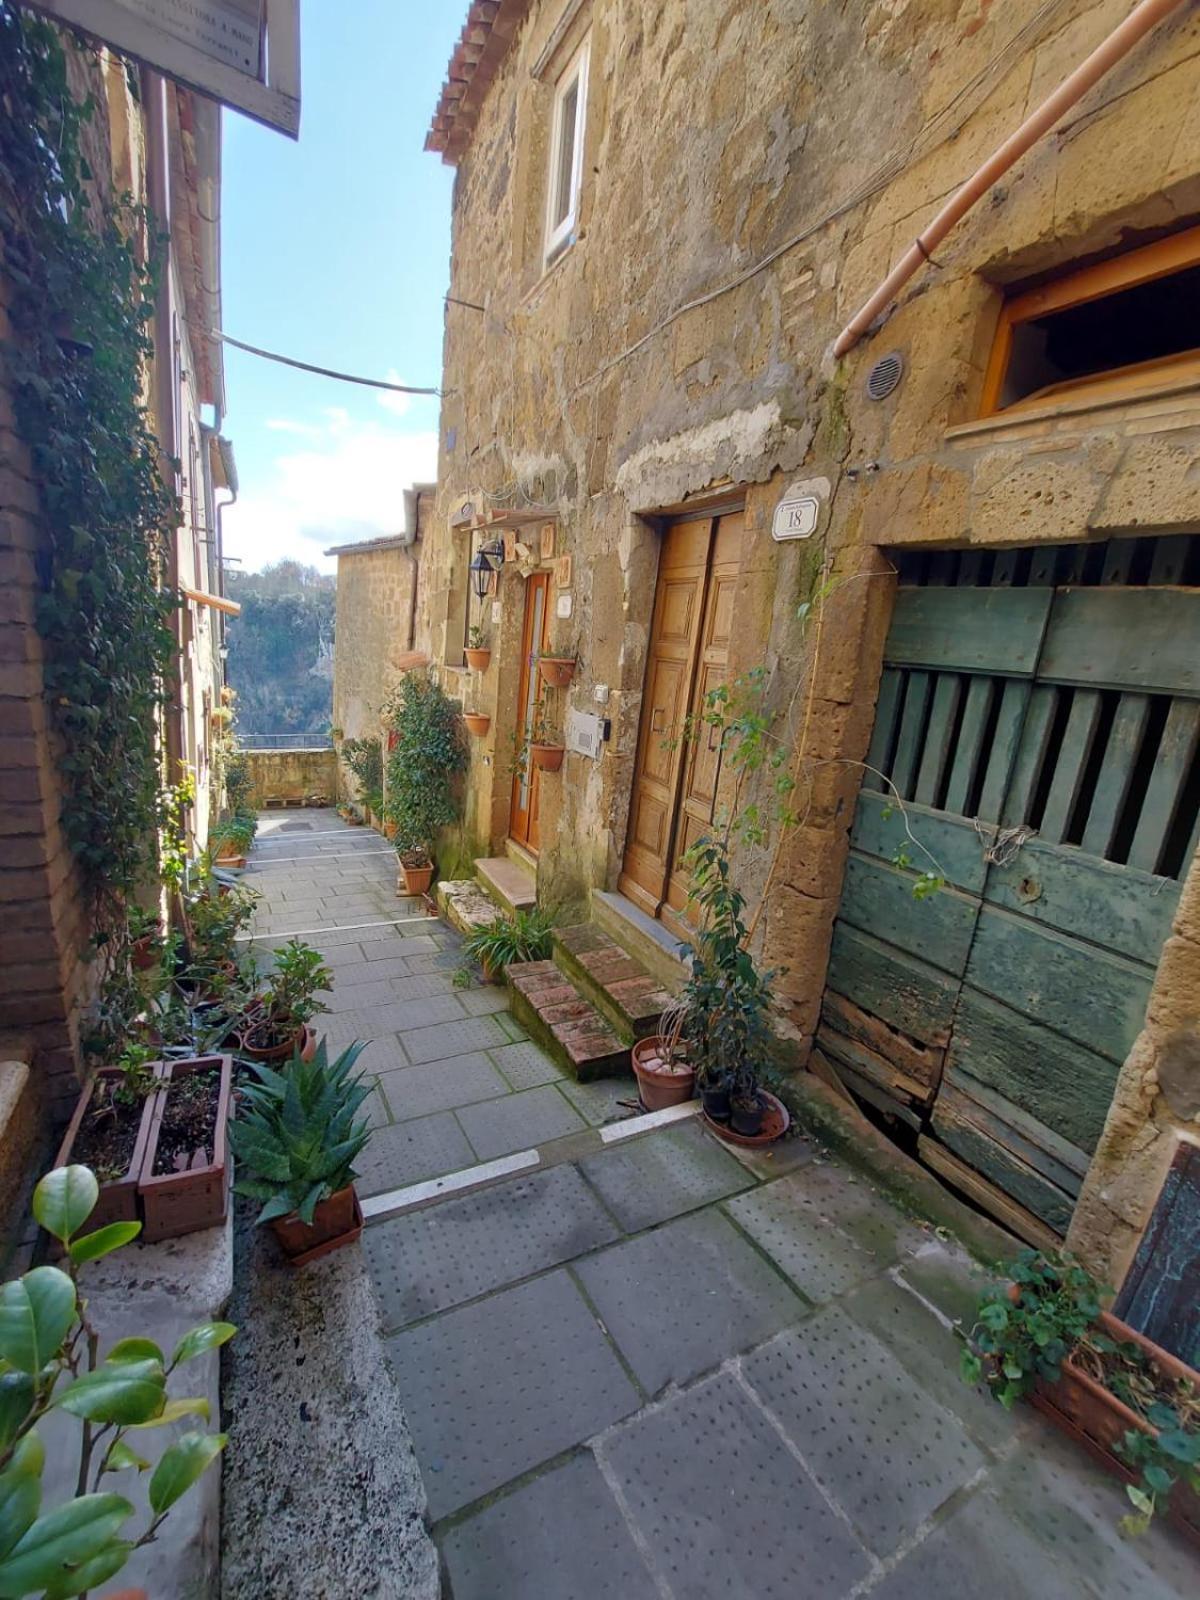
278 1024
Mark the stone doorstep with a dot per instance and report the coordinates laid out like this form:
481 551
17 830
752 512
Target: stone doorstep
464 905
510 884
630 999
564 1022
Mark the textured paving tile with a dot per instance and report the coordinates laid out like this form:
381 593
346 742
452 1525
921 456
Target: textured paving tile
483 1002
560 1537
600 1101
369 1022
434 960
525 1066
375 1108
818 1258
511 1027
684 1298
432 1259
439 1085
493 1389
362 974
663 1174
409 1152
828 1191
519 1122
725 1509
451 1039
981 1552
369 938
886 1452
388 990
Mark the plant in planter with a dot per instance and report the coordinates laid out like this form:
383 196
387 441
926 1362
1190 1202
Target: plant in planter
146 944
52 1361
364 761
546 749
297 1136
477 723
232 837
1044 1335
555 670
278 1024
110 1128
212 921
524 936
422 787
478 652
185 1173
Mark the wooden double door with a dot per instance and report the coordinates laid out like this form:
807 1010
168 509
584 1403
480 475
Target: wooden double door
675 783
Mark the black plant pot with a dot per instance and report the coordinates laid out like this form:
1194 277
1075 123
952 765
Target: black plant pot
716 1104
747 1117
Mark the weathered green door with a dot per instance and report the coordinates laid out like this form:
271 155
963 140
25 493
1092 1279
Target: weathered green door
1035 746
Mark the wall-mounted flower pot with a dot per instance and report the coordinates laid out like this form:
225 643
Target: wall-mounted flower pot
547 757
478 723
337 1221
557 671
186 1172
107 1144
306 1038
478 660
415 880
660 1086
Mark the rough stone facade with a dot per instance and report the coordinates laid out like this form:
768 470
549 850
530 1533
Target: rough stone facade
750 173
290 777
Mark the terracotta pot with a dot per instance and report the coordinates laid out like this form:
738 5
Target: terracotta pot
548 757
142 952
336 1222
477 723
415 880
775 1123
660 1089
389 830
118 1200
281 1052
1086 1411
176 1203
478 660
557 671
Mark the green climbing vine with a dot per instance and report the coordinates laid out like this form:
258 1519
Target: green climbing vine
81 295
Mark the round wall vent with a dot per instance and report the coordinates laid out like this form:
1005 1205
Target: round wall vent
884 376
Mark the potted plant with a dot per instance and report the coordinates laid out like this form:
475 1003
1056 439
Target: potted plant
185 1172
1132 1404
523 936
278 1024
56 1360
557 671
422 775
297 1136
363 759
232 838
478 654
478 723
213 921
546 751
665 1075
146 944
110 1128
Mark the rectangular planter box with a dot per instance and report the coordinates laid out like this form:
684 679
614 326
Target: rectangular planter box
336 1222
118 1200
1098 1421
175 1203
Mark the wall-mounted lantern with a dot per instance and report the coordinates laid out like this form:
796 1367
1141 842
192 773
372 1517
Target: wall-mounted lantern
488 559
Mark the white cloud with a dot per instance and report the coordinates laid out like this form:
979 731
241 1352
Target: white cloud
390 400
349 485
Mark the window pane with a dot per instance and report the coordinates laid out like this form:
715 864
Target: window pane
565 162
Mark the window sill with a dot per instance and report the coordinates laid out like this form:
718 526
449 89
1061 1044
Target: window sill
1051 410
549 268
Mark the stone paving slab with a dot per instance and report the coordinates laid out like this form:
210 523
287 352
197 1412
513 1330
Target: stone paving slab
820 1260
525 1066
494 1389
389 990
452 1038
410 1152
396 1016
429 1260
827 1191
652 1179
439 1085
600 1102
560 1537
400 943
734 1298
483 1002
846 1402
725 1508
519 1122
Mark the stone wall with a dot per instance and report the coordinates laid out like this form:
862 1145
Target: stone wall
291 777
679 354
374 624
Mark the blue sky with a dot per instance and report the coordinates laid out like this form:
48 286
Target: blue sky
336 251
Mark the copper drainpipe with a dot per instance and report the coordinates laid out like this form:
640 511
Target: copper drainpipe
1119 43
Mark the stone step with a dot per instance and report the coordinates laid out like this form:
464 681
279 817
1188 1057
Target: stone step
509 883
464 905
628 997
551 1009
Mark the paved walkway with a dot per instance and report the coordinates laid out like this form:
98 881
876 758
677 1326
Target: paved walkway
641 1368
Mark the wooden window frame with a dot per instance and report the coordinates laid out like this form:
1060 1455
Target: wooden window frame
560 235
1097 282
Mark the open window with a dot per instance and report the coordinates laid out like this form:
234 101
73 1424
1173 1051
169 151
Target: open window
1120 328
565 176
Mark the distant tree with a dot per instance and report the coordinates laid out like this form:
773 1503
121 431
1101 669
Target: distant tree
278 648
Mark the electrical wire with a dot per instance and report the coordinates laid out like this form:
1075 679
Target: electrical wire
323 372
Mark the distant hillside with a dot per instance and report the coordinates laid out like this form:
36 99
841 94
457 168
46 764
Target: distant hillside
281 648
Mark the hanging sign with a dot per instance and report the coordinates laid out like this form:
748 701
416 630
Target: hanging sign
242 53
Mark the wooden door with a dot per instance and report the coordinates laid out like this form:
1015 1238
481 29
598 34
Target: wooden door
523 820
1038 733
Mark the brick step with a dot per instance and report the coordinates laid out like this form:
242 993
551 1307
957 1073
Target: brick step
630 999
553 1011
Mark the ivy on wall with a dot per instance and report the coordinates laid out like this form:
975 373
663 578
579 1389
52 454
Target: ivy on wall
81 300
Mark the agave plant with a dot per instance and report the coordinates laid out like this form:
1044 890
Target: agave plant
297 1134
525 936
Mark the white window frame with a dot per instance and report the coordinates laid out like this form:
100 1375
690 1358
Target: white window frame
559 237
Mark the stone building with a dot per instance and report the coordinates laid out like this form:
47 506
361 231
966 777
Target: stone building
964 551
